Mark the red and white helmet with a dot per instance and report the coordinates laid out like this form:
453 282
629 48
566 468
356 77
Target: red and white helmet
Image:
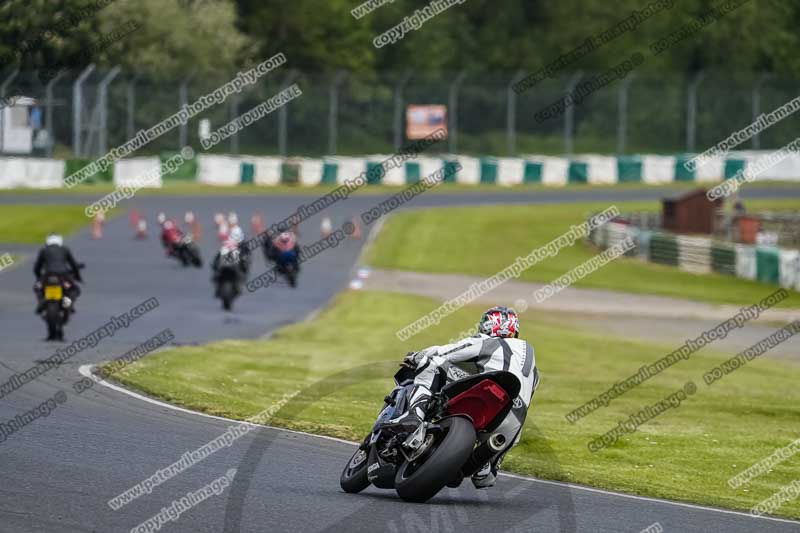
499 322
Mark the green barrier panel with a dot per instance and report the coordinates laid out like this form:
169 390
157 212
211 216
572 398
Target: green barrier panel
768 262
663 249
412 172
450 171
290 173
533 172
732 166
329 173
681 173
723 259
247 173
578 173
375 173
629 169
187 171
488 170
74 165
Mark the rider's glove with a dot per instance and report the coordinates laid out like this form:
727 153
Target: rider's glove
416 359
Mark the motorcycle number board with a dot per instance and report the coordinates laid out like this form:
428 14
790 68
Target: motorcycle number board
52 292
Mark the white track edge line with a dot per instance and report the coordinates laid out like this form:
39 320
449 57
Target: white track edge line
86 371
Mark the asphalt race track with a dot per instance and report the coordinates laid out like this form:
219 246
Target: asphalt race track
59 472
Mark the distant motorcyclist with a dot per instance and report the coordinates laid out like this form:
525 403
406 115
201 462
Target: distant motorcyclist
229 257
171 235
495 347
55 258
284 246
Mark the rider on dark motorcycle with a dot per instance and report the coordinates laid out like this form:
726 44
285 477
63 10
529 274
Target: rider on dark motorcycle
495 347
56 259
230 255
284 249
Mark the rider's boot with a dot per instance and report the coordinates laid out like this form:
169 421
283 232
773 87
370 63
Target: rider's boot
415 414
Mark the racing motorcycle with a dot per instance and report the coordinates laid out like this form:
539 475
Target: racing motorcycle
57 307
454 441
288 266
187 252
228 278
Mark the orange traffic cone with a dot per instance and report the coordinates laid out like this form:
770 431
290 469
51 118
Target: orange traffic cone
134 218
356 229
194 225
97 226
257 224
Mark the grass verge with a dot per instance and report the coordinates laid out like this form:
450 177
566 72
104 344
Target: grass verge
686 454
484 240
31 223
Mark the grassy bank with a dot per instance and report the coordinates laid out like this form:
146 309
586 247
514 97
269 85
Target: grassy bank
484 240
31 223
687 453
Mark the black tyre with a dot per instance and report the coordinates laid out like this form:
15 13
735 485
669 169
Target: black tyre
354 476
194 252
52 317
226 294
292 277
419 480
183 255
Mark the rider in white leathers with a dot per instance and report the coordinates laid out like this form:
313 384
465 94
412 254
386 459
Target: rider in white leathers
495 347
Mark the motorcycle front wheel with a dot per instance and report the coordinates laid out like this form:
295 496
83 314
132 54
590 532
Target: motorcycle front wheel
354 476
441 460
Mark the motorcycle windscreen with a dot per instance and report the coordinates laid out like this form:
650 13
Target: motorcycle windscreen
482 403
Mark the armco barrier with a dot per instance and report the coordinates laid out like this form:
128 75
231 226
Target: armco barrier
768 264
723 259
745 261
694 254
130 172
218 169
663 249
789 268
553 171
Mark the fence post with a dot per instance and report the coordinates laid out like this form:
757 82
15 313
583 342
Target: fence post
3 88
183 96
398 111
48 113
452 112
333 111
77 109
691 112
511 113
757 108
283 118
622 113
131 97
569 115
233 113
103 88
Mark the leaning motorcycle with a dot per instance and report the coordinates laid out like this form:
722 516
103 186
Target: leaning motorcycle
288 266
454 441
187 252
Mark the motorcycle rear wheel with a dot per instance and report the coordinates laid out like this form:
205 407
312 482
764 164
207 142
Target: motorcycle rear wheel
53 317
421 479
